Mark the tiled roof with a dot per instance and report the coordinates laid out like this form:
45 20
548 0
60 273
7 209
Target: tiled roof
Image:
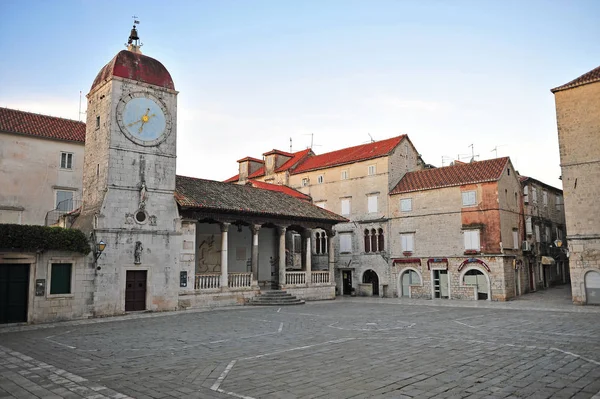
590 77
527 179
210 195
277 187
251 159
297 157
136 66
349 155
455 175
20 122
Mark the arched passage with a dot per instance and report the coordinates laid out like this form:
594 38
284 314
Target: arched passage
592 288
474 276
370 277
408 277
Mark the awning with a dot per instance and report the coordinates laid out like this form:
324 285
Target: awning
547 260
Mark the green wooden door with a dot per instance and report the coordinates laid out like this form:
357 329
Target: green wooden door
14 289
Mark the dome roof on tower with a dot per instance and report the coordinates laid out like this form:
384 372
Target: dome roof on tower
136 66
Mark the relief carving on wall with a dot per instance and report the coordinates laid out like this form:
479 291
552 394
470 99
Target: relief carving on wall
209 254
129 218
153 220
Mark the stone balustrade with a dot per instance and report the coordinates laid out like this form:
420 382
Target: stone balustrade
207 281
295 278
320 277
239 280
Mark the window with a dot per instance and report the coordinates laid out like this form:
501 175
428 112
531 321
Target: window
558 233
304 181
371 170
545 197
345 206
558 202
374 240
320 179
367 241
471 240
297 239
469 198
344 175
321 204
64 200
526 194
321 243
97 122
533 194
515 235
528 226
406 204
547 237
345 242
508 171
66 160
60 278
537 234
372 203
407 242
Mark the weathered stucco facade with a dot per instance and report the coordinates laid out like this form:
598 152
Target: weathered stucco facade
578 118
38 154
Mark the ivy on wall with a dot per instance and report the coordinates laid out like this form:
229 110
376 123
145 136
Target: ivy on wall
42 238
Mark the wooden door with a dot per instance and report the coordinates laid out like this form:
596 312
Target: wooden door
14 290
135 290
346 282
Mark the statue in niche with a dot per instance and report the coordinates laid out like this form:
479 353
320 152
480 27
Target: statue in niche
137 253
143 195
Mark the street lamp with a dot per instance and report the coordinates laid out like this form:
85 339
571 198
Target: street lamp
100 246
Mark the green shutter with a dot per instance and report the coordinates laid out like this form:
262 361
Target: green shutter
60 281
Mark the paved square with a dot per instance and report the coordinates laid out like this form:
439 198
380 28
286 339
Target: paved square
354 348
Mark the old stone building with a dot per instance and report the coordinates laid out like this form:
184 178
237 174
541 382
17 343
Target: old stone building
578 119
160 241
49 151
353 182
456 232
545 245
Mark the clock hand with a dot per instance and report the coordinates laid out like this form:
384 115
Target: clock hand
134 123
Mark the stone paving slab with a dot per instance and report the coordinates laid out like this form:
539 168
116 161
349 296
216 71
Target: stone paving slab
354 348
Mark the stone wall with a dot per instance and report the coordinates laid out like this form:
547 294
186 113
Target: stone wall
578 118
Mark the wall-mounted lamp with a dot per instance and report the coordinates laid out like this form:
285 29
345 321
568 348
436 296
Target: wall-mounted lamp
100 246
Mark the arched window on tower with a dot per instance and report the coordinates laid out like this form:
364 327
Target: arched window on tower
367 241
380 241
373 240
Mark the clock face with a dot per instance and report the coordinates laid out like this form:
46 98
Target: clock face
143 118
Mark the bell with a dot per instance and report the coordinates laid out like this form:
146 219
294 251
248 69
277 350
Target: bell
134 35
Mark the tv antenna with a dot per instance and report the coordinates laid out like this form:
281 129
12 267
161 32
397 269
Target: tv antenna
445 158
312 136
473 153
495 150
371 137
80 113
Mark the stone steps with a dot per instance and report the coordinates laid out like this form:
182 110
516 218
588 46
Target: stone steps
275 298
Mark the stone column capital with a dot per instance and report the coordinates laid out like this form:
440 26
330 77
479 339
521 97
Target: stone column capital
281 229
225 227
255 228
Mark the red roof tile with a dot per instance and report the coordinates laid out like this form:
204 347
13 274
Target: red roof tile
136 66
297 157
274 151
590 77
20 122
348 155
276 187
455 175
251 159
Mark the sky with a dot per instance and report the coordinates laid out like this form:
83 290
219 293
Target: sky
252 75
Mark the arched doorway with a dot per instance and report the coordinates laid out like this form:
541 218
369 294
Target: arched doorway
592 288
370 277
409 277
476 277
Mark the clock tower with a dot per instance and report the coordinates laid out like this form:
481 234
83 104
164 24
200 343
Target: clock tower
129 183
